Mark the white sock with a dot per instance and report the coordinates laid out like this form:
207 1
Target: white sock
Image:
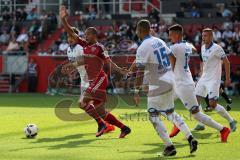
161 129
199 122
178 121
205 119
222 111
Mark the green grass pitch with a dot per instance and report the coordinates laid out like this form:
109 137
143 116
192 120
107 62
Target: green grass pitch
66 140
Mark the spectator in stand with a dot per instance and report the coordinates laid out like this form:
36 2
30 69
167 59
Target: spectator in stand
32 74
236 34
6 16
227 34
154 15
43 15
223 11
12 46
216 34
194 12
226 12
63 47
92 13
32 42
20 14
123 28
32 15
4 27
23 36
53 20
4 38
15 28
198 36
34 27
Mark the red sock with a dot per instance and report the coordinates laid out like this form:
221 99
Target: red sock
113 120
91 111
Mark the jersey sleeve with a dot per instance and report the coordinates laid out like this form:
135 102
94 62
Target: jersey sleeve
172 49
82 42
103 53
141 57
220 52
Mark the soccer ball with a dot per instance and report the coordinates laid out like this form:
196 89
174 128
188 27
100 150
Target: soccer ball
31 131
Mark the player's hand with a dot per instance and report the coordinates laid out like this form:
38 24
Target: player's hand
227 82
63 12
124 71
136 99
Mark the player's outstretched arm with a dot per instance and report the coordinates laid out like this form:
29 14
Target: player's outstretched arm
115 67
63 15
227 71
133 66
69 67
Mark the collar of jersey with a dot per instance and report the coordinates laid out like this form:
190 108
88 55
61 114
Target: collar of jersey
209 46
182 41
146 37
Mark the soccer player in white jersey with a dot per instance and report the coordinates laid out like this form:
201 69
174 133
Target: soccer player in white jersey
213 56
74 52
185 86
152 62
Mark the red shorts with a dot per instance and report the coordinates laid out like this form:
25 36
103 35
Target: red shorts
97 89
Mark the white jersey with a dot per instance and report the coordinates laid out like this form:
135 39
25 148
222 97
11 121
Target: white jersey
153 54
73 54
212 63
182 52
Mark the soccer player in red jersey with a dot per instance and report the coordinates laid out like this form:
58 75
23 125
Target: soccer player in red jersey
93 99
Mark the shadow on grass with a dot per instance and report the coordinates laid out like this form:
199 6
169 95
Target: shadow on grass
68 142
173 157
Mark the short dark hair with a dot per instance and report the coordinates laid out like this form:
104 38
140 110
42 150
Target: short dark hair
93 30
144 25
176 28
207 30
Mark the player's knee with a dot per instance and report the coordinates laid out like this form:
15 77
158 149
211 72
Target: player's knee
153 115
194 109
81 104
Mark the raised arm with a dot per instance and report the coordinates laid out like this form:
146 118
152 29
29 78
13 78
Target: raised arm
115 67
63 15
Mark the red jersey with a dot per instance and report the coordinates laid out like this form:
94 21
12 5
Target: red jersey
94 57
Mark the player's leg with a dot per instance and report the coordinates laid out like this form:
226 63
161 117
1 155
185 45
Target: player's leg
162 131
87 104
207 108
101 95
205 119
194 109
167 105
226 98
102 112
112 121
213 96
201 92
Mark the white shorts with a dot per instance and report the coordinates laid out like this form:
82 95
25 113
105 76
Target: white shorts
187 95
204 88
162 101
